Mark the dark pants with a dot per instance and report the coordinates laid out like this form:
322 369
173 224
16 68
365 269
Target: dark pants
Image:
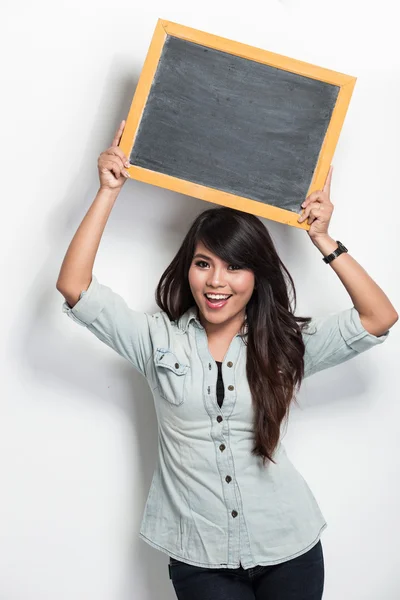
301 578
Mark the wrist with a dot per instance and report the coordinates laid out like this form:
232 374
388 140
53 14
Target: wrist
325 244
108 193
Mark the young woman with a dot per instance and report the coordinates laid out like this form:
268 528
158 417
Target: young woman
224 357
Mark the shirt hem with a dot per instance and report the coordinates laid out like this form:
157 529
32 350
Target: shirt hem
230 565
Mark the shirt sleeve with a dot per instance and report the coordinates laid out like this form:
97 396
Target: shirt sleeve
337 338
107 315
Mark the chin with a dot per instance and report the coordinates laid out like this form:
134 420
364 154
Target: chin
219 315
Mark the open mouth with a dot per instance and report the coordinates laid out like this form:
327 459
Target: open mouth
217 302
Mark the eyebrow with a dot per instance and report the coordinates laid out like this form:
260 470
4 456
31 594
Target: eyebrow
202 256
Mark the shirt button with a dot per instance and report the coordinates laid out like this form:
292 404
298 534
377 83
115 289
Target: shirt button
234 513
229 364
219 418
222 447
228 479
230 387
176 365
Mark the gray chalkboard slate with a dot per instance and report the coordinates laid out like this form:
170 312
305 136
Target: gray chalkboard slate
222 121
236 125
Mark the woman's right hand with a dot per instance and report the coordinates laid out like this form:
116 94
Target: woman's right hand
111 164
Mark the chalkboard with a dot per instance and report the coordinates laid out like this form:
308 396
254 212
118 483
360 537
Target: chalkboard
226 122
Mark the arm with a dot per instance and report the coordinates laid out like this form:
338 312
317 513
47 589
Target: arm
376 312
76 270
90 303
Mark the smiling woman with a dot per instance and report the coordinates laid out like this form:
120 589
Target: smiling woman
224 357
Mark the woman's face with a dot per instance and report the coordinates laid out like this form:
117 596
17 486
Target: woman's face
210 274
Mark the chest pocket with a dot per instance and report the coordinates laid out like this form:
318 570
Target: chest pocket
171 376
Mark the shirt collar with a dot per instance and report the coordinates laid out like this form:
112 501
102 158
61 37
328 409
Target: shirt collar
191 315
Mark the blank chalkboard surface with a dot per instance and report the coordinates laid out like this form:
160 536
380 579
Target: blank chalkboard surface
213 120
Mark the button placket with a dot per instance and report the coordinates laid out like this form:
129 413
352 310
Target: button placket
230 496
229 375
229 378
219 431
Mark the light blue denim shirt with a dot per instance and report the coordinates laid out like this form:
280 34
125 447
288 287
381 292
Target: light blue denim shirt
211 503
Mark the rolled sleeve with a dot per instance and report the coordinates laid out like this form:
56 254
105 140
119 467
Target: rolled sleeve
106 314
89 305
332 340
355 334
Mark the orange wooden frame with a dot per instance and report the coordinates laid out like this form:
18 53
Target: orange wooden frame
165 28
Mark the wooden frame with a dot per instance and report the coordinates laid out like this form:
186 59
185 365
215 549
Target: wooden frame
165 28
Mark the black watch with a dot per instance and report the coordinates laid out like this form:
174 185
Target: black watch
339 250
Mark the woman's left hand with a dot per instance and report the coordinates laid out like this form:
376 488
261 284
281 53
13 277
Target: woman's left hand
319 209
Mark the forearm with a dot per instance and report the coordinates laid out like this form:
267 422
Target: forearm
77 266
376 311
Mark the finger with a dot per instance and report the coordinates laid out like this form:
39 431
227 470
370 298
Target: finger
307 211
303 216
108 159
109 167
327 186
311 219
118 152
318 195
314 213
113 158
118 134
112 166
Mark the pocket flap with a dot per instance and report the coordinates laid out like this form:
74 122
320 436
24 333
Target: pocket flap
166 358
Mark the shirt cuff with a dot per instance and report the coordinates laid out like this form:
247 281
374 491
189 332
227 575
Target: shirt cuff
89 305
354 333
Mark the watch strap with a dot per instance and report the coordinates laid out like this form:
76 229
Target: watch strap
339 250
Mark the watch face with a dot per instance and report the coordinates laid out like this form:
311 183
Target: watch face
342 247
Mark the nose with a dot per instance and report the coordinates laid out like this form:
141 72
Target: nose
216 280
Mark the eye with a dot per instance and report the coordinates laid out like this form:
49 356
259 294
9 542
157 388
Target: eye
200 262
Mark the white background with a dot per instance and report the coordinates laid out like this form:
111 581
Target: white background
78 433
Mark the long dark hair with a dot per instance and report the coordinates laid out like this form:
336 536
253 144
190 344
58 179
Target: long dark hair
275 348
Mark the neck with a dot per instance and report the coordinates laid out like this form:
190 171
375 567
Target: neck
228 328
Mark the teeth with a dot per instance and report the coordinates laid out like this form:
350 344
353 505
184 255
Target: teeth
217 296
